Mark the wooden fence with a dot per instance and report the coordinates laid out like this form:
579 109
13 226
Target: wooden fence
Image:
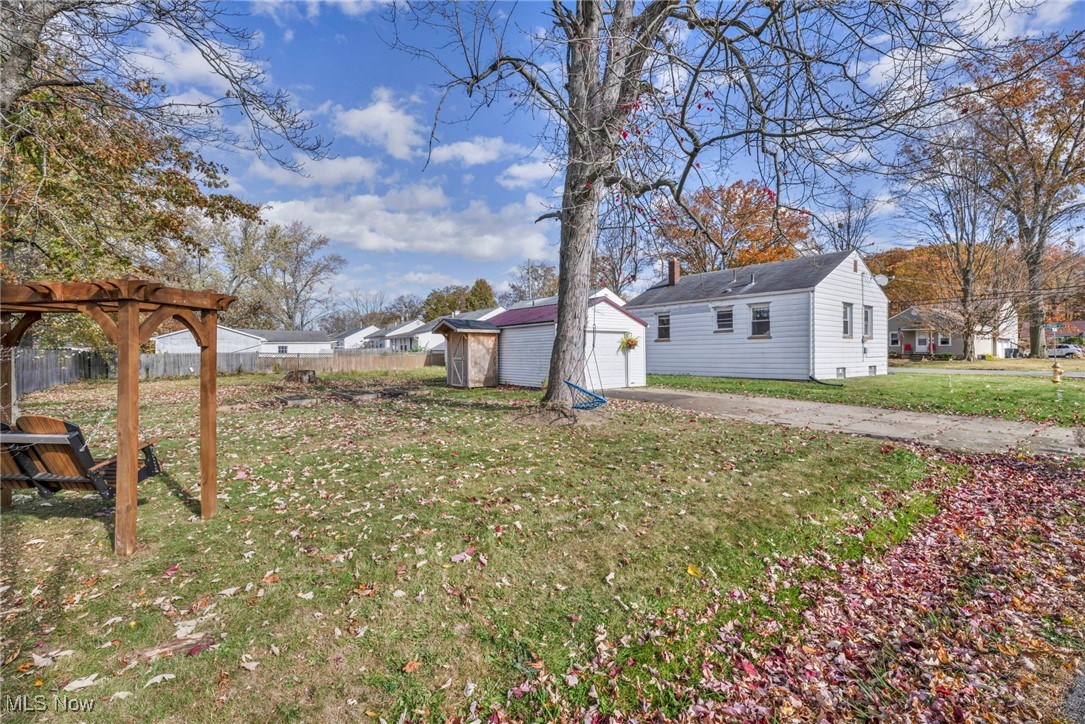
38 369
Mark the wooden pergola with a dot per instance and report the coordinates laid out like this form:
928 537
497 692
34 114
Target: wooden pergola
129 311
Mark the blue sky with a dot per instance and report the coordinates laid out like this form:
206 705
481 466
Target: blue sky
403 225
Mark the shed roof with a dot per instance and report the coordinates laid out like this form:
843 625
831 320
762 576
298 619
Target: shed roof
549 313
458 324
777 276
432 325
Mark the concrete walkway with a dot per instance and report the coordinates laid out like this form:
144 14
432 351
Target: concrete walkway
955 371
967 434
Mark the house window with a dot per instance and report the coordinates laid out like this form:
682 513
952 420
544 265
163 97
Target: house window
759 320
847 319
282 349
663 327
894 339
868 322
872 370
725 319
841 373
944 340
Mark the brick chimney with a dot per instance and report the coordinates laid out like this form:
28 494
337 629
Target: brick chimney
674 271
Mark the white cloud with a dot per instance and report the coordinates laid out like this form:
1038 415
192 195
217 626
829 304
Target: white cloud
478 150
528 175
426 280
323 172
422 220
383 123
178 63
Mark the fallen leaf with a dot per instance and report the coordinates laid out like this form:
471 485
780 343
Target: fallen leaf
77 684
412 666
158 679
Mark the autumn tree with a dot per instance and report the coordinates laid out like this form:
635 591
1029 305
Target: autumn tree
1031 132
480 296
533 279
730 226
641 96
445 301
295 278
356 308
406 307
97 158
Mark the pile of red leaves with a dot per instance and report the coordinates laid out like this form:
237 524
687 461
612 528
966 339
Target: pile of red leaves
960 622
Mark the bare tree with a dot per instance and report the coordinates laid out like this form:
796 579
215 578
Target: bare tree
972 266
104 44
295 276
406 307
641 95
533 279
847 227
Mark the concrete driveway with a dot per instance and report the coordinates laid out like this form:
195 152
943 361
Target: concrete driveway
966 434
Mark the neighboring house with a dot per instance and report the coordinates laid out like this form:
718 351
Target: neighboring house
546 301
229 341
425 338
354 338
818 317
914 333
383 337
264 341
527 340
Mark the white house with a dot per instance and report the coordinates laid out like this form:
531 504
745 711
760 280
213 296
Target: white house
527 339
815 317
264 341
354 338
425 338
383 337
915 332
594 294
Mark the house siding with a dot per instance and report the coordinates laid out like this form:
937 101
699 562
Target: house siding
524 354
831 349
272 348
229 341
696 348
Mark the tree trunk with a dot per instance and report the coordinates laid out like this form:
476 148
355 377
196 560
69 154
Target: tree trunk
1037 311
969 347
579 228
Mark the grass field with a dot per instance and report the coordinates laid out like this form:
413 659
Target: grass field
418 555
1009 397
1015 365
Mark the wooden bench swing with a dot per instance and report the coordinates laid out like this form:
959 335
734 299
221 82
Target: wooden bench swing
49 455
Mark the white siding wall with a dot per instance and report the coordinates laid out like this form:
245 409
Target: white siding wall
228 341
272 348
523 354
831 349
358 338
696 348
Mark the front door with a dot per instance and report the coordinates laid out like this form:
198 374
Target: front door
457 360
922 343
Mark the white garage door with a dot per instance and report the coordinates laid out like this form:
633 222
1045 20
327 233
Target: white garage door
606 365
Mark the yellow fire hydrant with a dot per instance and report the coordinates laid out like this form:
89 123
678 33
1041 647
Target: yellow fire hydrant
1056 372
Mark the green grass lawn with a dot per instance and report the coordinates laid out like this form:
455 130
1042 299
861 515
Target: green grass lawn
1012 398
1023 364
411 555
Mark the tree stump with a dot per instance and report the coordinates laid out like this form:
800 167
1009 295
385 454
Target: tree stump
305 377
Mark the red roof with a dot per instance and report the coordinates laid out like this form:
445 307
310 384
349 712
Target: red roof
548 313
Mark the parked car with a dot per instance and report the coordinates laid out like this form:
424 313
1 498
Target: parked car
1066 350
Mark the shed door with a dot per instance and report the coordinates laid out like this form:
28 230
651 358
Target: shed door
457 360
605 367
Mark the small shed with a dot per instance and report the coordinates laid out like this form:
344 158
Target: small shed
471 351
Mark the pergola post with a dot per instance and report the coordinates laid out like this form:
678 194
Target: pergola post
208 412
124 533
7 390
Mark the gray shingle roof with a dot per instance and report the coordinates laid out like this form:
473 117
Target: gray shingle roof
286 336
348 333
459 324
430 326
777 276
386 331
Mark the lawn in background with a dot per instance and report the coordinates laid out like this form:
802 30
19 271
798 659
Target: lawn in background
421 554
1009 397
1022 364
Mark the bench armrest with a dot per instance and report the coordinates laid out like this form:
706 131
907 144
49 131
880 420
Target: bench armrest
143 445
